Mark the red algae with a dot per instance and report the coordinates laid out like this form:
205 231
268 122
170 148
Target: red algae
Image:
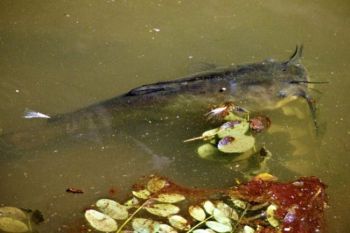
300 203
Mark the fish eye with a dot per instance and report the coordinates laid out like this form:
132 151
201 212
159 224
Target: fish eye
222 89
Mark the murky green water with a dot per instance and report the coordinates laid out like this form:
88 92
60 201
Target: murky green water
57 57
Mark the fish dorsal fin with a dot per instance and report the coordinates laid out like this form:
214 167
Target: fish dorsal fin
296 56
148 89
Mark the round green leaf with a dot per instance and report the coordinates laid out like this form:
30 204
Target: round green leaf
9 224
219 227
232 117
227 210
142 225
238 144
233 128
100 221
179 222
156 184
207 150
208 207
270 212
220 216
197 212
170 197
13 212
239 203
165 228
113 209
163 210
131 203
248 229
142 194
203 231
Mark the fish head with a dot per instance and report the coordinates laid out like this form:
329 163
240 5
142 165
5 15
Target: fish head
291 80
289 77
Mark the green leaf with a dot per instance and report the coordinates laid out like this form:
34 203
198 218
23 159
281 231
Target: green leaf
156 184
113 209
142 194
165 228
197 212
100 221
163 210
233 128
219 227
143 225
207 135
208 207
220 216
203 231
179 222
238 144
239 203
227 210
270 215
131 203
206 151
13 212
232 117
9 224
170 197
248 229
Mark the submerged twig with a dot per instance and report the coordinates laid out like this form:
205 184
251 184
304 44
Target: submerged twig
132 215
194 139
200 223
241 217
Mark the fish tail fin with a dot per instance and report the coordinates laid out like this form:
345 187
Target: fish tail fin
30 114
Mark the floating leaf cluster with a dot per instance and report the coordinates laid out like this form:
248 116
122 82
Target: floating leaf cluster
13 219
160 206
233 136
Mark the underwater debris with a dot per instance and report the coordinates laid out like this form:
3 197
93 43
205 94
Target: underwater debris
259 123
258 206
74 190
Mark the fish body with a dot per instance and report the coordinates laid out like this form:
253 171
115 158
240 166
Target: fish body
255 87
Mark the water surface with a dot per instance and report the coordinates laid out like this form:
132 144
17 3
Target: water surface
56 57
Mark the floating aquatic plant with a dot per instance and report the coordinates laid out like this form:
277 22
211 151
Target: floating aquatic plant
234 136
247 208
15 220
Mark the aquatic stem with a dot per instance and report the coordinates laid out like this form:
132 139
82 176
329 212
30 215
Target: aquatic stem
200 223
132 215
240 217
194 139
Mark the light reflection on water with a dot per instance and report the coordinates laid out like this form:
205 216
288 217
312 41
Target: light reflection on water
58 57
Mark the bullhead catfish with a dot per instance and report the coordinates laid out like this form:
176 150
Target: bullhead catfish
255 86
